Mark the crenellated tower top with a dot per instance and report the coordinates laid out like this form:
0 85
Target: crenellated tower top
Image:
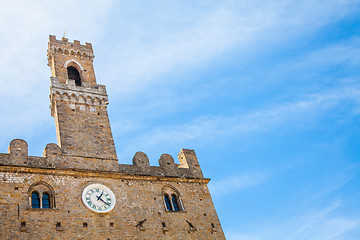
65 56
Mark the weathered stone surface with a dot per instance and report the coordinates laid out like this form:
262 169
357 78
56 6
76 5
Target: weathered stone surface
141 160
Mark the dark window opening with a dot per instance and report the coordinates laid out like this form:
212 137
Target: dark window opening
23 227
46 200
85 224
175 203
35 200
58 226
167 203
74 74
111 224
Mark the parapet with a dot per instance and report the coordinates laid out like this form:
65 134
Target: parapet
66 48
65 42
141 160
54 158
188 159
18 151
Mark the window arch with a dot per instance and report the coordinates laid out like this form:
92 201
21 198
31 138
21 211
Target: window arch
41 195
172 199
74 74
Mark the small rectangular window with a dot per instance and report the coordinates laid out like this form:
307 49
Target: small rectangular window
23 226
58 226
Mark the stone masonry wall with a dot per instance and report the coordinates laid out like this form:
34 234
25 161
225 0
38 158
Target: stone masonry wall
137 199
84 132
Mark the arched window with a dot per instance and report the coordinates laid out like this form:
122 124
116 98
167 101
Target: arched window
41 195
74 74
175 202
35 200
172 200
45 200
167 203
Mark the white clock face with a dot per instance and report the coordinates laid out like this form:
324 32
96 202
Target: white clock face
98 198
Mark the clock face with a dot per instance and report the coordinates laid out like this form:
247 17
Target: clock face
98 198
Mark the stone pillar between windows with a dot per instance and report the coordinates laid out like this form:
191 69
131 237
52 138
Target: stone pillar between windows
171 203
40 199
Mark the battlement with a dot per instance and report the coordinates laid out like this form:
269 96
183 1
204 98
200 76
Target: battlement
54 158
65 48
65 43
74 61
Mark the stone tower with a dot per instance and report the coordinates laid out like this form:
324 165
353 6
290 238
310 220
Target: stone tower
78 103
78 190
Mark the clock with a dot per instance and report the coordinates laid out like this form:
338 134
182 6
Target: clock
98 198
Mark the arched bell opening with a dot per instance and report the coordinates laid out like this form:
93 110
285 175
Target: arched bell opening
74 74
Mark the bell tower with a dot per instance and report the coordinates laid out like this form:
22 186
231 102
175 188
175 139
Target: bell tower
77 102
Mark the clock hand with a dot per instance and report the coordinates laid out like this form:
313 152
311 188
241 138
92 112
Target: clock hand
99 197
104 202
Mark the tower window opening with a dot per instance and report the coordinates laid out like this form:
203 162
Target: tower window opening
35 200
167 203
172 199
46 200
175 203
74 74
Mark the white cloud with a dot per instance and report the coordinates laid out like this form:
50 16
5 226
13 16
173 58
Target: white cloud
312 64
318 224
213 129
236 183
153 53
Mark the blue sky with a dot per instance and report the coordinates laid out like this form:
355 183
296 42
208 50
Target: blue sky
266 92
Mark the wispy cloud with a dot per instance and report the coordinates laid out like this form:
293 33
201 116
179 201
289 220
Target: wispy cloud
237 183
230 26
323 223
210 129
